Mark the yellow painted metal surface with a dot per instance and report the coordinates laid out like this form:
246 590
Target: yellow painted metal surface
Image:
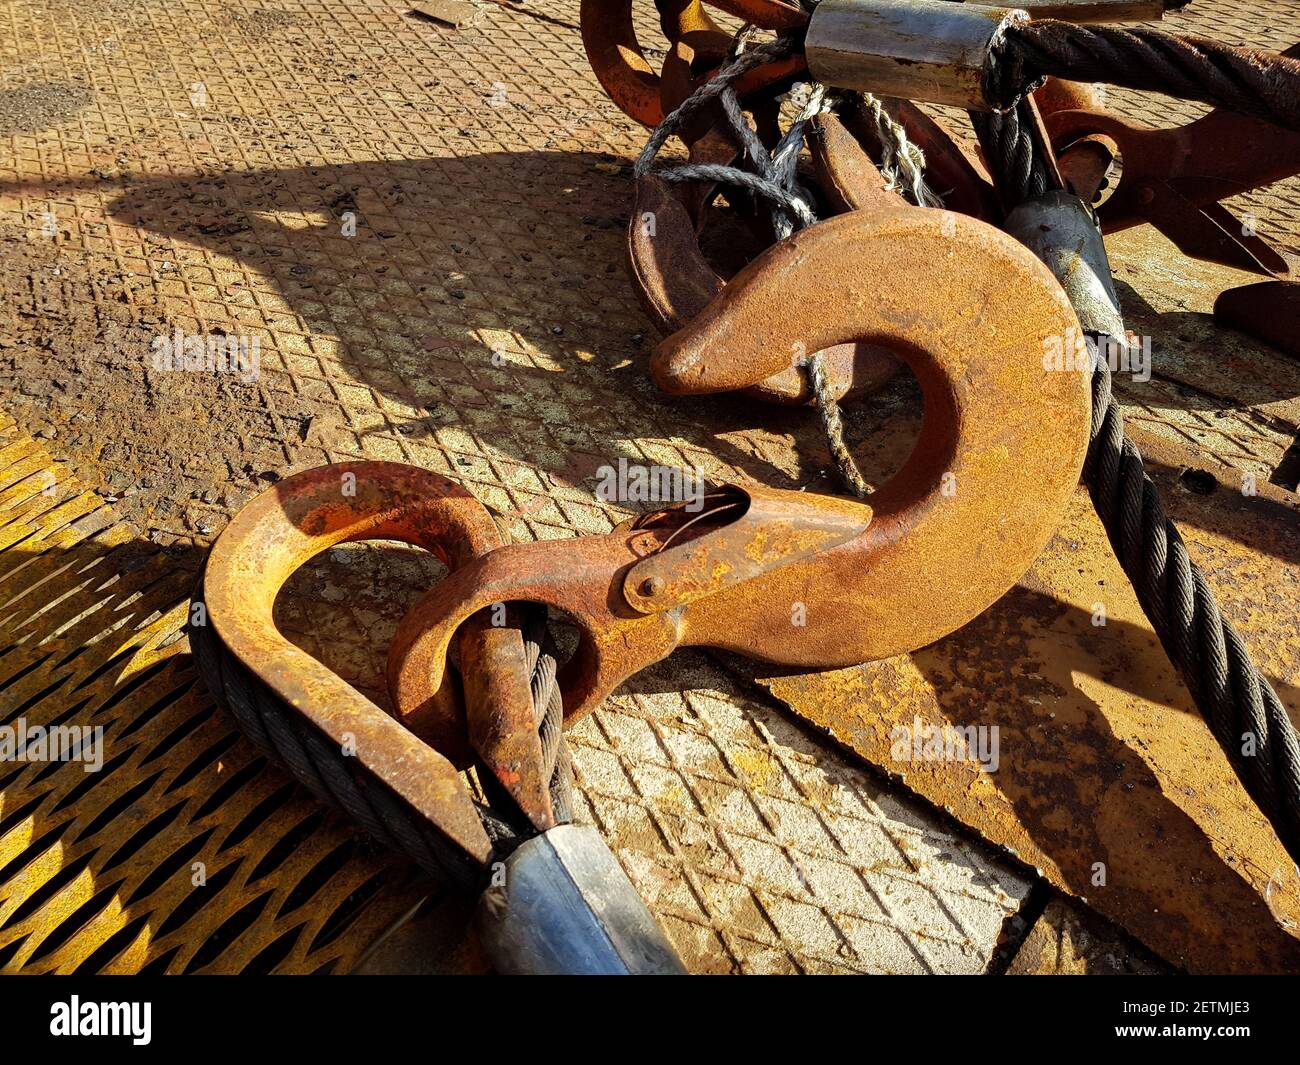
183 853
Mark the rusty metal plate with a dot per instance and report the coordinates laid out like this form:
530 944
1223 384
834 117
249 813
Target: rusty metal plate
1107 781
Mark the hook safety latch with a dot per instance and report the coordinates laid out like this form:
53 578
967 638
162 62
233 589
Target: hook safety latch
770 529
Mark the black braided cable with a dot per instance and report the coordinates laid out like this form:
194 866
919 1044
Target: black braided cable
1248 81
281 734
1231 694
711 90
1008 143
718 172
1235 698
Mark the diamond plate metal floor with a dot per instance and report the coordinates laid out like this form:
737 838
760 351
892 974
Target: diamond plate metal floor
422 227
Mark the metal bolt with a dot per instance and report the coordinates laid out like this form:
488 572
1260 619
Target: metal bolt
652 586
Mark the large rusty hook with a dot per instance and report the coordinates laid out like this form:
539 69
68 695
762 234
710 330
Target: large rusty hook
812 581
